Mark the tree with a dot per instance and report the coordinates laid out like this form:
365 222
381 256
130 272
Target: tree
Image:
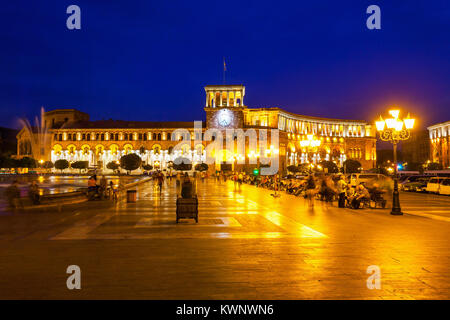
182 164
434 166
61 164
201 167
304 168
80 165
293 169
112 165
27 162
147 167
9 163
48 165
330 166
352 166
130 162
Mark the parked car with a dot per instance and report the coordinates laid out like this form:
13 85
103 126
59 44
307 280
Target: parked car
444 187
434 184
409 180
418 185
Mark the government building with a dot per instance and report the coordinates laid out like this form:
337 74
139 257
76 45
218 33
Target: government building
439 143
71 135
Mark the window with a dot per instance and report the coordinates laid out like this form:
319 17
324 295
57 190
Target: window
140 137
55 137
168 136
102 137
154 136
159 136
83 136
88 136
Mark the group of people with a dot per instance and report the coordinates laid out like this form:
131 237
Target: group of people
13 194
103 190
326 188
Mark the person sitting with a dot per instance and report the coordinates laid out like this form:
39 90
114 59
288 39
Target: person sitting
187 188
361 194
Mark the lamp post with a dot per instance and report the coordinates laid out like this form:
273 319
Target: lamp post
395 130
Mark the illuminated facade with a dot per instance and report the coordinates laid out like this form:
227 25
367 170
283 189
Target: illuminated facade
72 136
439 143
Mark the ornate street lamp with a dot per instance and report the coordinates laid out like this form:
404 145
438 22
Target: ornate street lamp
395 130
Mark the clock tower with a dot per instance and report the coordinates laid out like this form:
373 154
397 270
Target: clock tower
225 106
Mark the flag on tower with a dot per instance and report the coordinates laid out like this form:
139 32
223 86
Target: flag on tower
224 65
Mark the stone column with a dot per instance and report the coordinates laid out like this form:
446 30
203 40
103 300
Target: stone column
228 98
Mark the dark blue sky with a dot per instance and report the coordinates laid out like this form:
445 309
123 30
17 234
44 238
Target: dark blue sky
149 60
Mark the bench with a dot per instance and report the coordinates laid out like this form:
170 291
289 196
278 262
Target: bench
187 208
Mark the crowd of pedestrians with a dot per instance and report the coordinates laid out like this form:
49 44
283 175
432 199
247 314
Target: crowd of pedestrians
327 188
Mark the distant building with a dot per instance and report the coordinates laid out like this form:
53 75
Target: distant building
73 136
439 143
417 148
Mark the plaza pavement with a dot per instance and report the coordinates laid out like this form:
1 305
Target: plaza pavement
247 245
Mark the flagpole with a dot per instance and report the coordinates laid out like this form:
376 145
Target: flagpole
224 69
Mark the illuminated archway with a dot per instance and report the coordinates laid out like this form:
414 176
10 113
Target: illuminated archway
57 148
99 149
185 149
127 148
71 148
199 149
85 148
114 148
156 148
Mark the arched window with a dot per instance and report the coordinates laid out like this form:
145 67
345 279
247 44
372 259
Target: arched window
154 136
168 136
102 137
159 136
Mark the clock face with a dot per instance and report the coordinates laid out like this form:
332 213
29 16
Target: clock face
224 118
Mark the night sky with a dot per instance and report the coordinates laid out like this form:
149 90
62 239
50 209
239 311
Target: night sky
149 60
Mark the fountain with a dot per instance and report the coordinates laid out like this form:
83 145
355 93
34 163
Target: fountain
38 136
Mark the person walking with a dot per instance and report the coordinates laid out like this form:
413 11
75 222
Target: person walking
341 187
13 195
310 190
240 179
103 184
33 193
160 179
